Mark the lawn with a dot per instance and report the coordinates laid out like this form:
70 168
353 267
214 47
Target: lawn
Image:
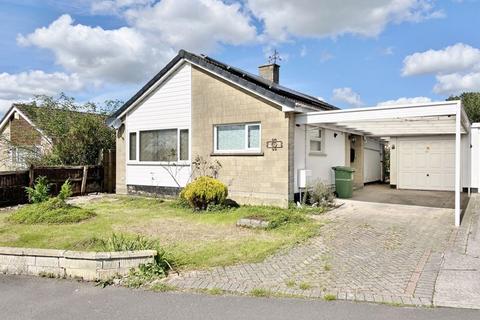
193 240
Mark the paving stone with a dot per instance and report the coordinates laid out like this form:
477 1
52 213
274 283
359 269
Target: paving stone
371 257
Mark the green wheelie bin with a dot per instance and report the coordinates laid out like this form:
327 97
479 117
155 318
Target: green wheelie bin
344 181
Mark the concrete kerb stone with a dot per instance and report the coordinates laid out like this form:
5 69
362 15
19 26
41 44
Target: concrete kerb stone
61 263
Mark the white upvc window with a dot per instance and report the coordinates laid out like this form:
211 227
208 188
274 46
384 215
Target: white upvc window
237 138
159 146
317 140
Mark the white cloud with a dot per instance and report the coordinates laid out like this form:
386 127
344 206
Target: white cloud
456 83
303 51
95 54
325 56
348 96
456 68
323 18
405 100
194 25
450 59
388 51
25 84
155 33
110 7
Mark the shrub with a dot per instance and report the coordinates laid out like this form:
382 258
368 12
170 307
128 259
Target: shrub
39 192
52 211
321 194
65 191
203 192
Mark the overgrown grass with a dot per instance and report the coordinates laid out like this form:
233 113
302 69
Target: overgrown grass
192 240
52 211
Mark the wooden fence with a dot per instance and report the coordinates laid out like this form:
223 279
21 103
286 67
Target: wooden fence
84 179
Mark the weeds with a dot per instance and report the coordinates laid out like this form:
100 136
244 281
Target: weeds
329 297
260 292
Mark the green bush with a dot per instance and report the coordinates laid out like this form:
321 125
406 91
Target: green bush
39 192
65 191
52 211
203 192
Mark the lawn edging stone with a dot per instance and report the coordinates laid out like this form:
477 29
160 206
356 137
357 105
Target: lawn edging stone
88 266
253 223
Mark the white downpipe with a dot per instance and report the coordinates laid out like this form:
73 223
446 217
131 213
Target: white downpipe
458 118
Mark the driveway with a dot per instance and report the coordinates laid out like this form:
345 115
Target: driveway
365 252
382 193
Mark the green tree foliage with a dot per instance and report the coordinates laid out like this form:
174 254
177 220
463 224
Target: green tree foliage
471 103
77 131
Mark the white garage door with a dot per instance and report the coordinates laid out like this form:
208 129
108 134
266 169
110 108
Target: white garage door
426 163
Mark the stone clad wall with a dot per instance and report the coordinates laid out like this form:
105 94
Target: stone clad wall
261 179
62 263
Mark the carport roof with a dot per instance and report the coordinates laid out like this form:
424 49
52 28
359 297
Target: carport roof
435 118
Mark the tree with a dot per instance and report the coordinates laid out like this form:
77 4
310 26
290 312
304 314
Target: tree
471 103
76 132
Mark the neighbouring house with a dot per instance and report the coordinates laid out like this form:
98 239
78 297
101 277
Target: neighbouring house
272 141
23 133
20 137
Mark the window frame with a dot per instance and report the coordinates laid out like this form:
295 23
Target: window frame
176 162
322 152
246 149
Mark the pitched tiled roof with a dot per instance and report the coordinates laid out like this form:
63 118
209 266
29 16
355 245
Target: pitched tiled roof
273 91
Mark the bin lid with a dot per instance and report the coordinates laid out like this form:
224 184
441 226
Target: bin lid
341 168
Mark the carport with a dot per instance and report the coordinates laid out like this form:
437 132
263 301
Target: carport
436 121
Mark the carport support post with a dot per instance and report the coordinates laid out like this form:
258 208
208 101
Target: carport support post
458 119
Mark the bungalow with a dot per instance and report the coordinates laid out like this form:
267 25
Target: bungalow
271 139
20 137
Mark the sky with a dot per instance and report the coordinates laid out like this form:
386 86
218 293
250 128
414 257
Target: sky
349 53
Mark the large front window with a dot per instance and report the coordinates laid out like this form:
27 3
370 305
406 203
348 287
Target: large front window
166 145
237 137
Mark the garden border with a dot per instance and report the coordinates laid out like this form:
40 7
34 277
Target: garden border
77 264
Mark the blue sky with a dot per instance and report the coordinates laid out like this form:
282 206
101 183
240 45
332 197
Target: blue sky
350 53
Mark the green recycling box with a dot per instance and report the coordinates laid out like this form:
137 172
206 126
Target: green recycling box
344 181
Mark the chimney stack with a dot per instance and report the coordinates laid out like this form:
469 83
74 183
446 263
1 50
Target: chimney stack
270 72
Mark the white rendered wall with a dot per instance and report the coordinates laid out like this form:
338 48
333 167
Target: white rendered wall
320 165
168 107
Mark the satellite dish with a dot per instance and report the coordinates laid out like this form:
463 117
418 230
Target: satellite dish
116 124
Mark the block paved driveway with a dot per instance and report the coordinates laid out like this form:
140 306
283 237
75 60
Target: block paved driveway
365 252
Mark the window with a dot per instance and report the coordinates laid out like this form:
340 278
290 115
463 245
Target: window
317 144
19 157
184 145
237 137
169 145
133 146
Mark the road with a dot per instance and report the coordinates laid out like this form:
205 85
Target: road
38 298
